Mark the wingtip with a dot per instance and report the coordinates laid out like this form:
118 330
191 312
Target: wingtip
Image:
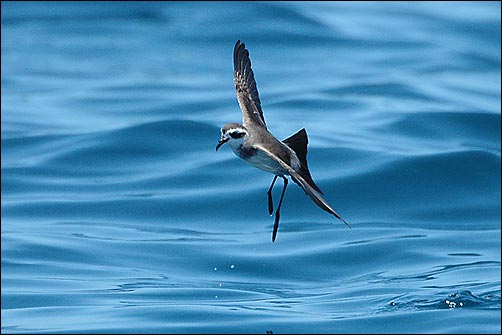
239 54
339 217
238 44
336 215
346 223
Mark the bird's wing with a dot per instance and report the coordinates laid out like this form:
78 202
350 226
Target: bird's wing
245 85
297 178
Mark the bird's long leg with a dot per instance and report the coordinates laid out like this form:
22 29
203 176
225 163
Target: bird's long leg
278 210
269 193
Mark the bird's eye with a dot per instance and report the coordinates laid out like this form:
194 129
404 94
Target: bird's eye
236 134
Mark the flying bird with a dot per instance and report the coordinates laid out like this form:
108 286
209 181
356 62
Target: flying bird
252 142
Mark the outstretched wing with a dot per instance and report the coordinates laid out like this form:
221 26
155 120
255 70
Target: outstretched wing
309 190
245 85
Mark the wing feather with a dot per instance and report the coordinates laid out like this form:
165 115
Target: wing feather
309 190
245 86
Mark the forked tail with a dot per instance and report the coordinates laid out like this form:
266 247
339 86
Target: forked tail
298 143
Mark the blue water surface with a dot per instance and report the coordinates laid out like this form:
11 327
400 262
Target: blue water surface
119 216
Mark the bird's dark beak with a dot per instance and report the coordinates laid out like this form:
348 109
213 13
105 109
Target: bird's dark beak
222 141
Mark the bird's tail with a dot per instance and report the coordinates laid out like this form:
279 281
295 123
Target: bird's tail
298 143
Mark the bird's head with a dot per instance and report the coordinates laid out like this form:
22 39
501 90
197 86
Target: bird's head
234 134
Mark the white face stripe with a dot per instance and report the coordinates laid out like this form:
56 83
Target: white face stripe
235 130
235 134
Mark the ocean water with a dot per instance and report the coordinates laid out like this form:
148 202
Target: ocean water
119 216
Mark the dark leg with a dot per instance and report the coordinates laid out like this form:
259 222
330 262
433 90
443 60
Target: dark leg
269 193
278 210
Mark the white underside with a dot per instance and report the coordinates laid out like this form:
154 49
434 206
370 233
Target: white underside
265 163
262 161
